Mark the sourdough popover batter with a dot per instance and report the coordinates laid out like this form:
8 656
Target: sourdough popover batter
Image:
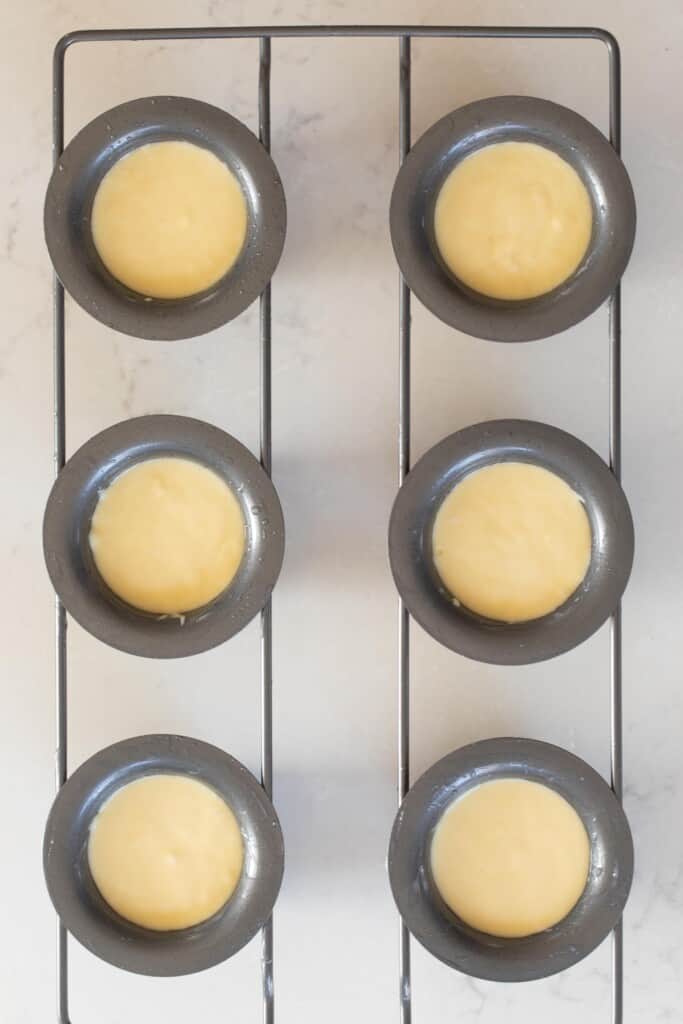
169 219
512 541
165 852
510 857
168 535
513 220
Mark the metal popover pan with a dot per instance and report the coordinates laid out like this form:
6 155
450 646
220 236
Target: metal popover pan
475 953
410 541
75 180
70 562
512 119
92 921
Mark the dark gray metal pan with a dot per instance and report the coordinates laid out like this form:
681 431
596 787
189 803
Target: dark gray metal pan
71 191
76 897
506 119
431 480
535 956
69 559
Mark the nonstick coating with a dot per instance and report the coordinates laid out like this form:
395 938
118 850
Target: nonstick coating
486 956
507 119
71 192
431 480
92 921
71 566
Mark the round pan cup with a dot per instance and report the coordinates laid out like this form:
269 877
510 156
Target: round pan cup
410 542
475 953
84 912
512 119
75 180
71 565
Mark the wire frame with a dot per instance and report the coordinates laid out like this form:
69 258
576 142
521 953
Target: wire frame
403 34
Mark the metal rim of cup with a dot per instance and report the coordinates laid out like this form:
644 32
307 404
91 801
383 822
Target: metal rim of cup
70 563
506 119
71 192
485 956
84 912
432 479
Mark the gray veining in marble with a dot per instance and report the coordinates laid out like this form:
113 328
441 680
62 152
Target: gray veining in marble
335 371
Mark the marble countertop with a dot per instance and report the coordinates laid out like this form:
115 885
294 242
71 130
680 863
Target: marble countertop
334 138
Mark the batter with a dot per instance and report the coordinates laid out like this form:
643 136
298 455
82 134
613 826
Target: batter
510 857
511 541
169 219
165 852
167 535
513 220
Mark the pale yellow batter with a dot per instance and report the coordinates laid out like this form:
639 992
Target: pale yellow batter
167 535
513 220
165 852
169 219
510 857
511 542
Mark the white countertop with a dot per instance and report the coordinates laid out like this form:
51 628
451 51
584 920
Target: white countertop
334 139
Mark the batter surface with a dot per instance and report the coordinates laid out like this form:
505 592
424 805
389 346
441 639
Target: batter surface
165 852
513 220
510 857
169 219
511 541
167 535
